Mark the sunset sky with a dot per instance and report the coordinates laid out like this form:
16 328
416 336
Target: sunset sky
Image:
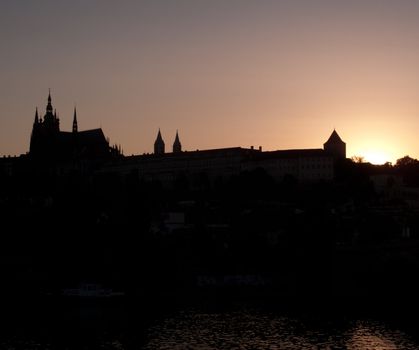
276 74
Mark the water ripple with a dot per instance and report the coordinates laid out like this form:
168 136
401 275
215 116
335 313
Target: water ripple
251 330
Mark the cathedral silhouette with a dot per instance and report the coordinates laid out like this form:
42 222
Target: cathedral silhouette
48 142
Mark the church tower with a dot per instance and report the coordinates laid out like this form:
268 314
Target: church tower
159 144
335 146
177 146
50 144
51 122
45 132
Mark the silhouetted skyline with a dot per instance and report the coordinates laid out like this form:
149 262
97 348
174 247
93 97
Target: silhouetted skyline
238 73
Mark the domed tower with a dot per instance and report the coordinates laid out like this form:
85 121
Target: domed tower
159 144
335 146
177 146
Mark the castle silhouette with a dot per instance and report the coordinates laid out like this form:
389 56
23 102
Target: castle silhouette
50 144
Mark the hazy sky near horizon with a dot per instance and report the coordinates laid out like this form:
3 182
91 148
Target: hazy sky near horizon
277 74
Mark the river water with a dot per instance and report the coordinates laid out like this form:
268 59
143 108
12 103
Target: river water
244 328
252 329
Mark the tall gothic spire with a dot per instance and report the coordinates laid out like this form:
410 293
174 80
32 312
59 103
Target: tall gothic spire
49 105
51 120
75 121
177 146
36 116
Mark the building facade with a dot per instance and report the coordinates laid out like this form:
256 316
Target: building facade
307 165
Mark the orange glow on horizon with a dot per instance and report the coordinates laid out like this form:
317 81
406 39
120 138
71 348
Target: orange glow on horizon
377 155
379 146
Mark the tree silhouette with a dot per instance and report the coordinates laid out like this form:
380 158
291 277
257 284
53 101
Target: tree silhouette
406 161
409 169
358 159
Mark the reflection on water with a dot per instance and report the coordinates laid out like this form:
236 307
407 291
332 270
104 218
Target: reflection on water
256 330
370 335
98 327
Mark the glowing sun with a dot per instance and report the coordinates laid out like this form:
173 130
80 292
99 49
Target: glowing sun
376 157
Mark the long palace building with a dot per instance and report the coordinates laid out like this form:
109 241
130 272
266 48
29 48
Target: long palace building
303 164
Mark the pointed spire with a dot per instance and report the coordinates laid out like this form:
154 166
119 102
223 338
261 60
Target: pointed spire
49 105
334 137
177 146
75 127
159 144
36 116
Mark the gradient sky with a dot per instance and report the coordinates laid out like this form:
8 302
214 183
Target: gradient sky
277 74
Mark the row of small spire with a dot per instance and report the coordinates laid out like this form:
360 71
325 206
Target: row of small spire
159 146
